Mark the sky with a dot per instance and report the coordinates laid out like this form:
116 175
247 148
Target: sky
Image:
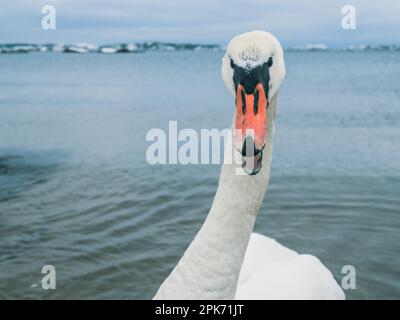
294 22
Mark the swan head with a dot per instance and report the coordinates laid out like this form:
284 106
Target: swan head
253 70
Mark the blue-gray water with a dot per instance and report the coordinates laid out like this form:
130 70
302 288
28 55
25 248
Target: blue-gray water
76 191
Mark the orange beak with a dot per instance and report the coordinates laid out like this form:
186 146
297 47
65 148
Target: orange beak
251 119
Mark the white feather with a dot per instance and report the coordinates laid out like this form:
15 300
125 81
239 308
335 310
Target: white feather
272 271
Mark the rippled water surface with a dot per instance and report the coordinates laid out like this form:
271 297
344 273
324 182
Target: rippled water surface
76 190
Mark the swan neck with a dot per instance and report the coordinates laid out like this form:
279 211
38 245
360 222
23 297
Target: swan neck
210 267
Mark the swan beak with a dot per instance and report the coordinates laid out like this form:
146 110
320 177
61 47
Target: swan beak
251 120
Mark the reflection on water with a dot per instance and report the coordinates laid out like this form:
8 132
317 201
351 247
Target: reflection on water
21 170
77 193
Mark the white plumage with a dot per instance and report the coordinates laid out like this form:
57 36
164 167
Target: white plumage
226 260
272 271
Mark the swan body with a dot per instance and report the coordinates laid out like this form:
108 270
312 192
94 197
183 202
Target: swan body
226 260
271 271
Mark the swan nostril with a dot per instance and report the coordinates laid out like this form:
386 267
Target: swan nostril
256 98
243 101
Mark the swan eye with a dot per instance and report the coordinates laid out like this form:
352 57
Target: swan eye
232 64
270 62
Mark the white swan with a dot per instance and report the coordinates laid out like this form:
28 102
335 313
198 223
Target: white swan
225 260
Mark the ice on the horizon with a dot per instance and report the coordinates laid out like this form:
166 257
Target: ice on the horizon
82 48
318 46
311 47
108 50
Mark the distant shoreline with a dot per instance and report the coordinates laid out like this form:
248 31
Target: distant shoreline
82 48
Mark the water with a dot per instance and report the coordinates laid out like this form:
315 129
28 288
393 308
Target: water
76 190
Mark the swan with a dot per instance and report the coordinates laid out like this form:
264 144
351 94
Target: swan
226 260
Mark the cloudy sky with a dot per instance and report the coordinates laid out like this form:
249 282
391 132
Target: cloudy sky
295 23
